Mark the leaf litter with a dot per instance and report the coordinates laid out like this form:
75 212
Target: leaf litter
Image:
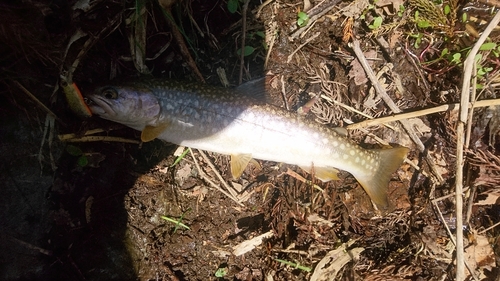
281 212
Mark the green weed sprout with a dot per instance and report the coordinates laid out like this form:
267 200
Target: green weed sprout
295 265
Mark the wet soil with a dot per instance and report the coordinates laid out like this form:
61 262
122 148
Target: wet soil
115 210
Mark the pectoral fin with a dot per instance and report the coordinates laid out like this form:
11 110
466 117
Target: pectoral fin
150 133
324 174
238 164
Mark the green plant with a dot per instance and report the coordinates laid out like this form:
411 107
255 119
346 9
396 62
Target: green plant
377 22
302 19
82 160
233 6
221 272
295 265
253 36
180 157
177 223
401 10
247 50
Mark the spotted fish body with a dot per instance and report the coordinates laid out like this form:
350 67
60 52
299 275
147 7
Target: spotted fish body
234 122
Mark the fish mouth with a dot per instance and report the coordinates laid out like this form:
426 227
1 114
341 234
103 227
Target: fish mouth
100 106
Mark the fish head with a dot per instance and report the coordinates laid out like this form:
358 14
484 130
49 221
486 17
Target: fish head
126 105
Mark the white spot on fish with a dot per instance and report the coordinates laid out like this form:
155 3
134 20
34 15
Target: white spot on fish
357 160
325 141
342 146
352 152
335 143
345 156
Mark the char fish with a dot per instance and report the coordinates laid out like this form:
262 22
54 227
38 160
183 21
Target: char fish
238 122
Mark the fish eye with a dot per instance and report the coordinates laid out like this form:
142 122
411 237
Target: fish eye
109 93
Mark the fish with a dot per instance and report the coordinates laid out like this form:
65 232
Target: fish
240 122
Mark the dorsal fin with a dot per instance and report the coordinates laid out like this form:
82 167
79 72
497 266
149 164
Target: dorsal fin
255 90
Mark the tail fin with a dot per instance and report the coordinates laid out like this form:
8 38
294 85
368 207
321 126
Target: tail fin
376 185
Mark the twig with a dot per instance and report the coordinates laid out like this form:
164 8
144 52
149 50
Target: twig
314 14
489 228
464 101
228 188
205 177
434 202
178 36
423 112
385 97
38 102
32 247
243 39
283 92
300 47
100 138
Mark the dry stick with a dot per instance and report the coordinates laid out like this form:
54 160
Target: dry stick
411 132
205 177
423 112
464 101
314 14
434 202
489 228
167 5
101 139
243 39
300 47
228 188
37 101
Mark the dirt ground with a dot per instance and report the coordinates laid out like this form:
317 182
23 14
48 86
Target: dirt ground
84 199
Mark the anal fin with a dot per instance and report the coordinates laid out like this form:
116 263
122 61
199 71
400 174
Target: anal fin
323 173
239 162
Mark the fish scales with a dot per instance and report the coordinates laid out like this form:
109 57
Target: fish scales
234 122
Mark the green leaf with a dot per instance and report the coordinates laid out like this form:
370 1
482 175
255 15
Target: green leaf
478 58
302 19
464 17
423 24
232 6
377 22
177 223
73 150
248 50
444 52
221 272
456 58
180 157
82 161
447 9
488 46
260 34
401 10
